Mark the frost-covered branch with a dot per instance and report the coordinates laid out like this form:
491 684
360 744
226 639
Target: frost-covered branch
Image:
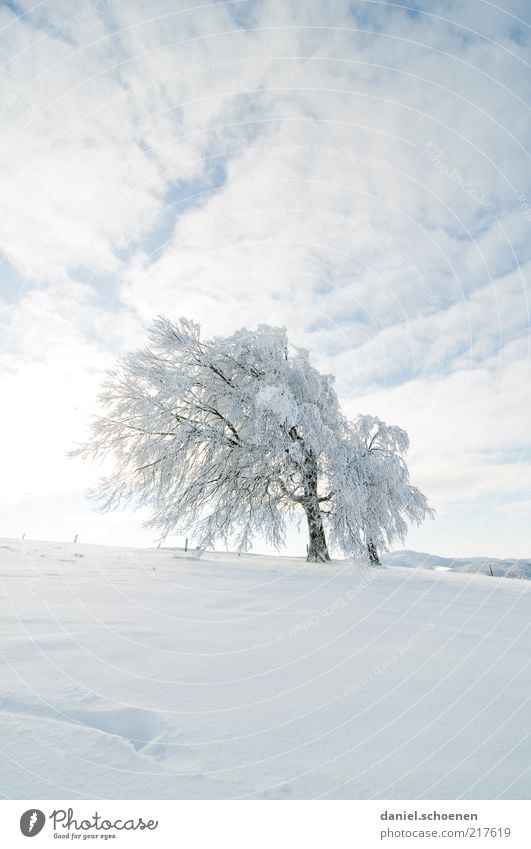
229 437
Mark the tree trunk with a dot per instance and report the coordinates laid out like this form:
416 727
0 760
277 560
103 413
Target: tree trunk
317 549
373 554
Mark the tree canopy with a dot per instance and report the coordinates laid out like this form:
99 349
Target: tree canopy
234 436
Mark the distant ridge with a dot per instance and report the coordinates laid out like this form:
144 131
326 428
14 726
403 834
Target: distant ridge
507 568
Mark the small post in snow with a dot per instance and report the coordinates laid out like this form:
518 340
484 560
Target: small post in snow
186 544
24 535
75 538
491 572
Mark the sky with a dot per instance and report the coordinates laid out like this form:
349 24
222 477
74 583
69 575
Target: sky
357 172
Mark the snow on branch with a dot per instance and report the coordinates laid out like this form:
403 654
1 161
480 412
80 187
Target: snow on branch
229 437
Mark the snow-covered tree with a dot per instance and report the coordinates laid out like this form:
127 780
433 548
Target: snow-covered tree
232 436
390 500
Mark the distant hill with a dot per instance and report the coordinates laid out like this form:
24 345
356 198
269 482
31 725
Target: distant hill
509 568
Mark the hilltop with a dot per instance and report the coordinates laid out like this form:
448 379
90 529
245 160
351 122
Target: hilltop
137 673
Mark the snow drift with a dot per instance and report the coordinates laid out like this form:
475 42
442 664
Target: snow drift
143 674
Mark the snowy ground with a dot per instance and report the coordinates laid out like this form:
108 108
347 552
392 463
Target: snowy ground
142 674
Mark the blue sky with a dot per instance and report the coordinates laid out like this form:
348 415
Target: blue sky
355 171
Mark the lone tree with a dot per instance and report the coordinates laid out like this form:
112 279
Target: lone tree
231 436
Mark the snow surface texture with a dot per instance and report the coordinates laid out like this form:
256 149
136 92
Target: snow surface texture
148 674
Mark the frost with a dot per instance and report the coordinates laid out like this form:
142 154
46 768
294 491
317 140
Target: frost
229 437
